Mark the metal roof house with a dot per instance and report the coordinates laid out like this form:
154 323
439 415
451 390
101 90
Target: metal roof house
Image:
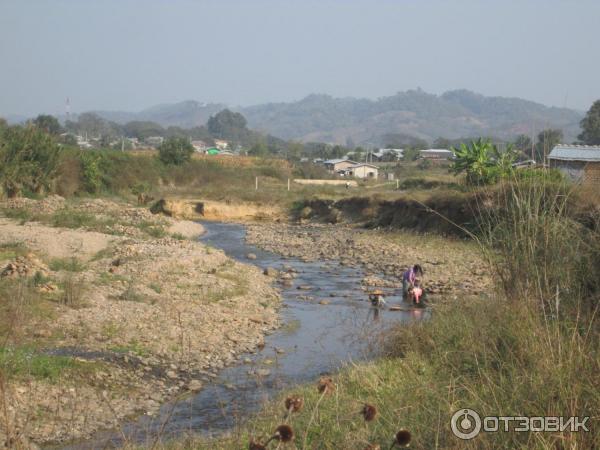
363 170
437 153
579 163
334 165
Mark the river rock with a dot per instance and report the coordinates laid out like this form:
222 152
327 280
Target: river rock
270 272
251 256
194 385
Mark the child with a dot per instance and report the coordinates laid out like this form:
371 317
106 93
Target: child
416 292
409 278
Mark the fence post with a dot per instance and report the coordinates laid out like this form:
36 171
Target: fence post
397 184
256 184
288 184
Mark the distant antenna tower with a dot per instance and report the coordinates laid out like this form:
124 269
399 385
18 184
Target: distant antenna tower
68 109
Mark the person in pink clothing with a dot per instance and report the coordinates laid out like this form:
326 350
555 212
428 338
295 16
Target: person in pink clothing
410 277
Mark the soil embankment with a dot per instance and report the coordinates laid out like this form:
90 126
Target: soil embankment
134 315
446 215
218 211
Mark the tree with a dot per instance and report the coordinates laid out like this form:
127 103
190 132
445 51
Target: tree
175 151
47 123
28 160
294 151
547 139
227 125
143 129
591 126
523 143
411 154
442 142
259 149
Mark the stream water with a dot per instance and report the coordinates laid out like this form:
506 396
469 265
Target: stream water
314 339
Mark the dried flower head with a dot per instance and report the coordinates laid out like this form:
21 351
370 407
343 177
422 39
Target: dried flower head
284 433
326 385
294 404
256 445
403 438
368 412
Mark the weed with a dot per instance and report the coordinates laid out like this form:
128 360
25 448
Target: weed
23 215
73 289
26 362
152 229
67 264
133 347
130 294
155 287
10 250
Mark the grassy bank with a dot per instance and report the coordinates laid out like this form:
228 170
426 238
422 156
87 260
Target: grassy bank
530 350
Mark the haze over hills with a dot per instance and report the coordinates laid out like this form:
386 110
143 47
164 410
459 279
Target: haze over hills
322 118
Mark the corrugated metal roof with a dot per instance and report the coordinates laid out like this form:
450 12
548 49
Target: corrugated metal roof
575 152
336 161
363 164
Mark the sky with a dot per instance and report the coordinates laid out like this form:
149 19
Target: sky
132 54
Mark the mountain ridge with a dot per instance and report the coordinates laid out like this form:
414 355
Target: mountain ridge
321 117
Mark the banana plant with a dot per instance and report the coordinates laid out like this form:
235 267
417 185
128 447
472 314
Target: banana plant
474 159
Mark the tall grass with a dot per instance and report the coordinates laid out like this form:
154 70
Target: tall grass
538 251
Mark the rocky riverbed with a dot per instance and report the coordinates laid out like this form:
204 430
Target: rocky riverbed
453 267
136 320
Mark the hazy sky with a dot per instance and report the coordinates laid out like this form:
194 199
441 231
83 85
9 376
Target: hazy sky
128 54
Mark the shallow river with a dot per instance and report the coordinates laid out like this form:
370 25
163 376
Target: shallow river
313 340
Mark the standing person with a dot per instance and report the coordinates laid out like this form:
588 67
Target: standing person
409 278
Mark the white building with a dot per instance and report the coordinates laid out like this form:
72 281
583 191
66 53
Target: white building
362 170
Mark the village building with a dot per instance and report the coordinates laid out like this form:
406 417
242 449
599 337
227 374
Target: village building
437 153
199 146
221 144
579 163
362 170
154 141
335 165
388 154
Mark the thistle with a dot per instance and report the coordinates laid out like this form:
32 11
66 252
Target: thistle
293 404
402 439
368 412
326 385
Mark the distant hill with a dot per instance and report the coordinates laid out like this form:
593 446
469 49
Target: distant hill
323 118
187 114
454 114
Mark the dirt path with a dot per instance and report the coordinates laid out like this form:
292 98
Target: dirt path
138 319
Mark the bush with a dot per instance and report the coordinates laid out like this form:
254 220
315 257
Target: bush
92 175
28 160
175 151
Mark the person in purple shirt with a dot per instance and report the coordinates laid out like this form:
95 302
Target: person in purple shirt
409 278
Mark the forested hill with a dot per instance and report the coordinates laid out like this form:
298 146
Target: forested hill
323 118
416 113
187 114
